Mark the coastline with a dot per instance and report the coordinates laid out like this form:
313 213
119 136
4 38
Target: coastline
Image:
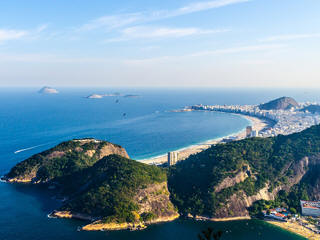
256 123
296 228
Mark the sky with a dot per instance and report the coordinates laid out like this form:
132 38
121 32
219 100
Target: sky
160 43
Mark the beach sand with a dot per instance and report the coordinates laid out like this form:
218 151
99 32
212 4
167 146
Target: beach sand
256 123
297 229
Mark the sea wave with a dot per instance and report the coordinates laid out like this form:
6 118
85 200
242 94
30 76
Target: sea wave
2 180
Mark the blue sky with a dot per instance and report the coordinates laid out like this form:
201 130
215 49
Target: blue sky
219 43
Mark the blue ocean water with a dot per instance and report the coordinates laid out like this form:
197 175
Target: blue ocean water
145 126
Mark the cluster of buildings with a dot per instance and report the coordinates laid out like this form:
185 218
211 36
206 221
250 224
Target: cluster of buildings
279 214
285 121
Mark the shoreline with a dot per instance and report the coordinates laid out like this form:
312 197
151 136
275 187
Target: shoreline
296 228
256 123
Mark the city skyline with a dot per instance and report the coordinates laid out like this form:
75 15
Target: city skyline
220 43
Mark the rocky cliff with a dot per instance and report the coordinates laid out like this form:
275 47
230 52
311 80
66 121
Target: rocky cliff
237 205
224 181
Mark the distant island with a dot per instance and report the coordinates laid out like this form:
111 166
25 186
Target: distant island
131 96
95 96
48 90
99 96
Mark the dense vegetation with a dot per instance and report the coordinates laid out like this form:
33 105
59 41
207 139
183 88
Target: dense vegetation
271 160
102 187
108 187
71 157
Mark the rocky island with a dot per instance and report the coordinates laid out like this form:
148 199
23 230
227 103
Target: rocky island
95 96
48 90
99 182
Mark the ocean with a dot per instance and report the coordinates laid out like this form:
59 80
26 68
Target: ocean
31 122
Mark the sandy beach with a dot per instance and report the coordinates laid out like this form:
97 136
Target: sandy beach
297 229
256 123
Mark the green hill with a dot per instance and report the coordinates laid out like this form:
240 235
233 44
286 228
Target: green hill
64 159
99 184
226 179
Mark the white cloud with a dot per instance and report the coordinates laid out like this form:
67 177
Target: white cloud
203 6
143 32
14 34
113 21
223 51
41 28
6 34
123 20
289 37
51 58
252 48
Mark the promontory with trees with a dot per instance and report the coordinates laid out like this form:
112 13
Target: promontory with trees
99 182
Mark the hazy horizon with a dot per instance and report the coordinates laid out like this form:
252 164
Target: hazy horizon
217 43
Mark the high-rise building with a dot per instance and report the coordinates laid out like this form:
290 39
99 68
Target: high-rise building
172 158
310 208
248 131
254 133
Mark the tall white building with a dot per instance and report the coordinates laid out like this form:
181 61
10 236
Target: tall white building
172 158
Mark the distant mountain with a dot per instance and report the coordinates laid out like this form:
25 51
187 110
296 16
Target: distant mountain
282 103
48 90
312 109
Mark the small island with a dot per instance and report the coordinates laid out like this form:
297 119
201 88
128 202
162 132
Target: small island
131 96
95 96
48 90
99 96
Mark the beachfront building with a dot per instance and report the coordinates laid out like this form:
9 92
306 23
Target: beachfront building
279 214
248 131
172 158
255 133
284 122
310 208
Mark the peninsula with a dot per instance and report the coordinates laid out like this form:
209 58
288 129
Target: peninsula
99 182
